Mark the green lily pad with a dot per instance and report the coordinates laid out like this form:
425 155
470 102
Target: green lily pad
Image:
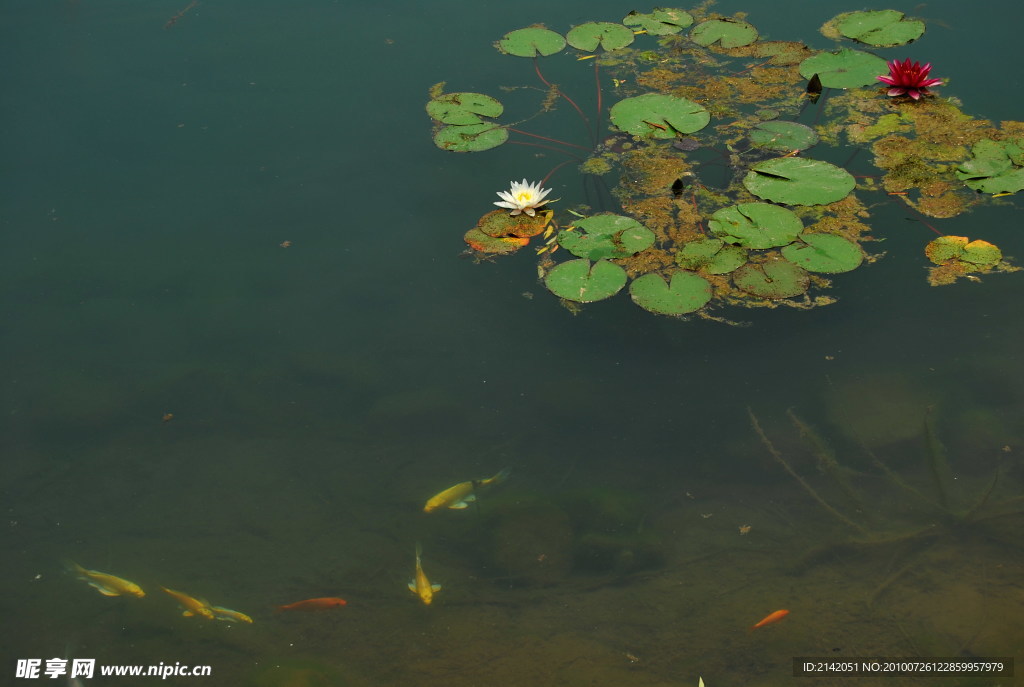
470 138
531 42
729 33
825 253
685 292
599 33
756 225
775 279
660 22
881 28
799 181
577 280
783 136
655 115
714 256
947 249
992 169
844 68
606 235
463 108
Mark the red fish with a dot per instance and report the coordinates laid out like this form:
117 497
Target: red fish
771 618
314 604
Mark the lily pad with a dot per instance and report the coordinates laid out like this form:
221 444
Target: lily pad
992 169
531 42
483 243
844 68
714 256
499 223
599 33
774 279
799 181
881 28
655 115
463 108
606 235
577 280
470 138
783 136
947 249
660 22
729 33
825 253
756 225
685 292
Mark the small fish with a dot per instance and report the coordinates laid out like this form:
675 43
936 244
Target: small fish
227 615
107 585
462 494
771 618
314 604
192 605
420 585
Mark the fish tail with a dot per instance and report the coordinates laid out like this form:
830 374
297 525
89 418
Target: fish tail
73 567
419 551
500 477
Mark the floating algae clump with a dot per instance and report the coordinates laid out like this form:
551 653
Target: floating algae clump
717 153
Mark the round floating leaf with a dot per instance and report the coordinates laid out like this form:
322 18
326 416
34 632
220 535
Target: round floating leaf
660 22
463 108
946 249
685 292
714 256
606 236
798 181
991 168
480 241
729 33
577 281
606 34
844 69
783 136
531 42
774 280
881 28
826 253
500 223
659 116
756 225
470 138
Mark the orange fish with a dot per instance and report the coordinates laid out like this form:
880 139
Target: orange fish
314 604
771 618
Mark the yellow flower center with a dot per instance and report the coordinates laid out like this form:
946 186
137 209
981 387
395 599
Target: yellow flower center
524 197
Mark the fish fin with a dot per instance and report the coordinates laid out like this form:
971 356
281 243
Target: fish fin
73 567
104 590
500 477
435 587
459 505
188 614
412 586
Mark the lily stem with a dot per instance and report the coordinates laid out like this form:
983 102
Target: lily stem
536 67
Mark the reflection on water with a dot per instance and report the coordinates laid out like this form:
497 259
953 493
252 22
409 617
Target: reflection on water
322 392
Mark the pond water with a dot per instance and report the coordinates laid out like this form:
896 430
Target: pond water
243 348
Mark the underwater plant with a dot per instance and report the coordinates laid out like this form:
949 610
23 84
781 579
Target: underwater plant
718 180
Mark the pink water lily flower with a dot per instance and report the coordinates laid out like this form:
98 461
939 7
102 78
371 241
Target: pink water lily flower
909 79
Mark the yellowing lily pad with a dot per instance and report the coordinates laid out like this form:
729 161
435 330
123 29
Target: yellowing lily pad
498 223
844 68
799 181
774 279
463 108
483 243
599 33
470 138
947 249
578 281
655 115
714 256
531 42
685 292
606 235
728 33
660 22
756 225
881 28
826 253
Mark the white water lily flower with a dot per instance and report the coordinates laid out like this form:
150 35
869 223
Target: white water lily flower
523 197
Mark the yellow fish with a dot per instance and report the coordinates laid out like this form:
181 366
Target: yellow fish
107 585
462 494
420 585
192 605
226 614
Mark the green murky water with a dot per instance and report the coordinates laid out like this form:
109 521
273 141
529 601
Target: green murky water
321 392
